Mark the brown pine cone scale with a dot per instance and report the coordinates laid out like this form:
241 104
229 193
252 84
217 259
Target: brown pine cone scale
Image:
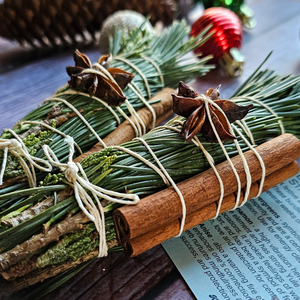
49 23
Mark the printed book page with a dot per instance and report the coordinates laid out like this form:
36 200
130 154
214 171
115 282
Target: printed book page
250 253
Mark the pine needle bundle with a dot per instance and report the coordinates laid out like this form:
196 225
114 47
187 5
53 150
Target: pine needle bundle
155 61
41 256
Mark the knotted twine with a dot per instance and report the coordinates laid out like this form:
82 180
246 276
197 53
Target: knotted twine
80 184
17 148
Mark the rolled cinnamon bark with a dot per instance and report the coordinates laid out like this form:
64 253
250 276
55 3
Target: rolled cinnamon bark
201 190
125 132
152 238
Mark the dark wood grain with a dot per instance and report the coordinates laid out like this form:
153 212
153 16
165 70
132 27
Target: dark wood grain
27 77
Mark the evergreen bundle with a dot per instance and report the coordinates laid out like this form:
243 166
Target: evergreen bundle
40 256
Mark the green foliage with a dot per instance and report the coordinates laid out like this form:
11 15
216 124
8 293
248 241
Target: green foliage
166 51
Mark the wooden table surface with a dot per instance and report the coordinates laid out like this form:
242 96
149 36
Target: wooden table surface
28 77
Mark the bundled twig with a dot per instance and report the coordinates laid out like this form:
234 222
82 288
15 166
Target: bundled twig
276 106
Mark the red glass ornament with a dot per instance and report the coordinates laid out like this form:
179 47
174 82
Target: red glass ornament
228 32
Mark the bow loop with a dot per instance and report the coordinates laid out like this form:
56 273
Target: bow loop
17 148
86 193
11 144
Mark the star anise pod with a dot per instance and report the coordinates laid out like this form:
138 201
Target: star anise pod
95 84
189 104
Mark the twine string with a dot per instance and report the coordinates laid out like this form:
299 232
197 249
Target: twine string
80 116
263 167
133 87
246 129
43 124
167 175
16 147
147 162
70 92
81 185
136 90
134 67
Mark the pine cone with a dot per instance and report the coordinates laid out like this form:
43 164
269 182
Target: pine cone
68 22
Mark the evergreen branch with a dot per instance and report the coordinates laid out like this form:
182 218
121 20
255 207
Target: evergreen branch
181 159
166 51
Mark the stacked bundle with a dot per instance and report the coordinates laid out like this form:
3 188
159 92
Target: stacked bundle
155 61
143 167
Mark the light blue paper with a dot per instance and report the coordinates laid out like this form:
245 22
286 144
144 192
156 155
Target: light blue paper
250 253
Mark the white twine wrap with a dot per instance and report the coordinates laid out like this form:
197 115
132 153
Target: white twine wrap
18 149
134 88
79 115
134 67
156 66
246 129
236 99
148 163
210 160
263 168
43 124
81 185
95 98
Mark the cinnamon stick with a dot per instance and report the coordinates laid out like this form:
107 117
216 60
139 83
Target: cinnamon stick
201 190
124 132
152 238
